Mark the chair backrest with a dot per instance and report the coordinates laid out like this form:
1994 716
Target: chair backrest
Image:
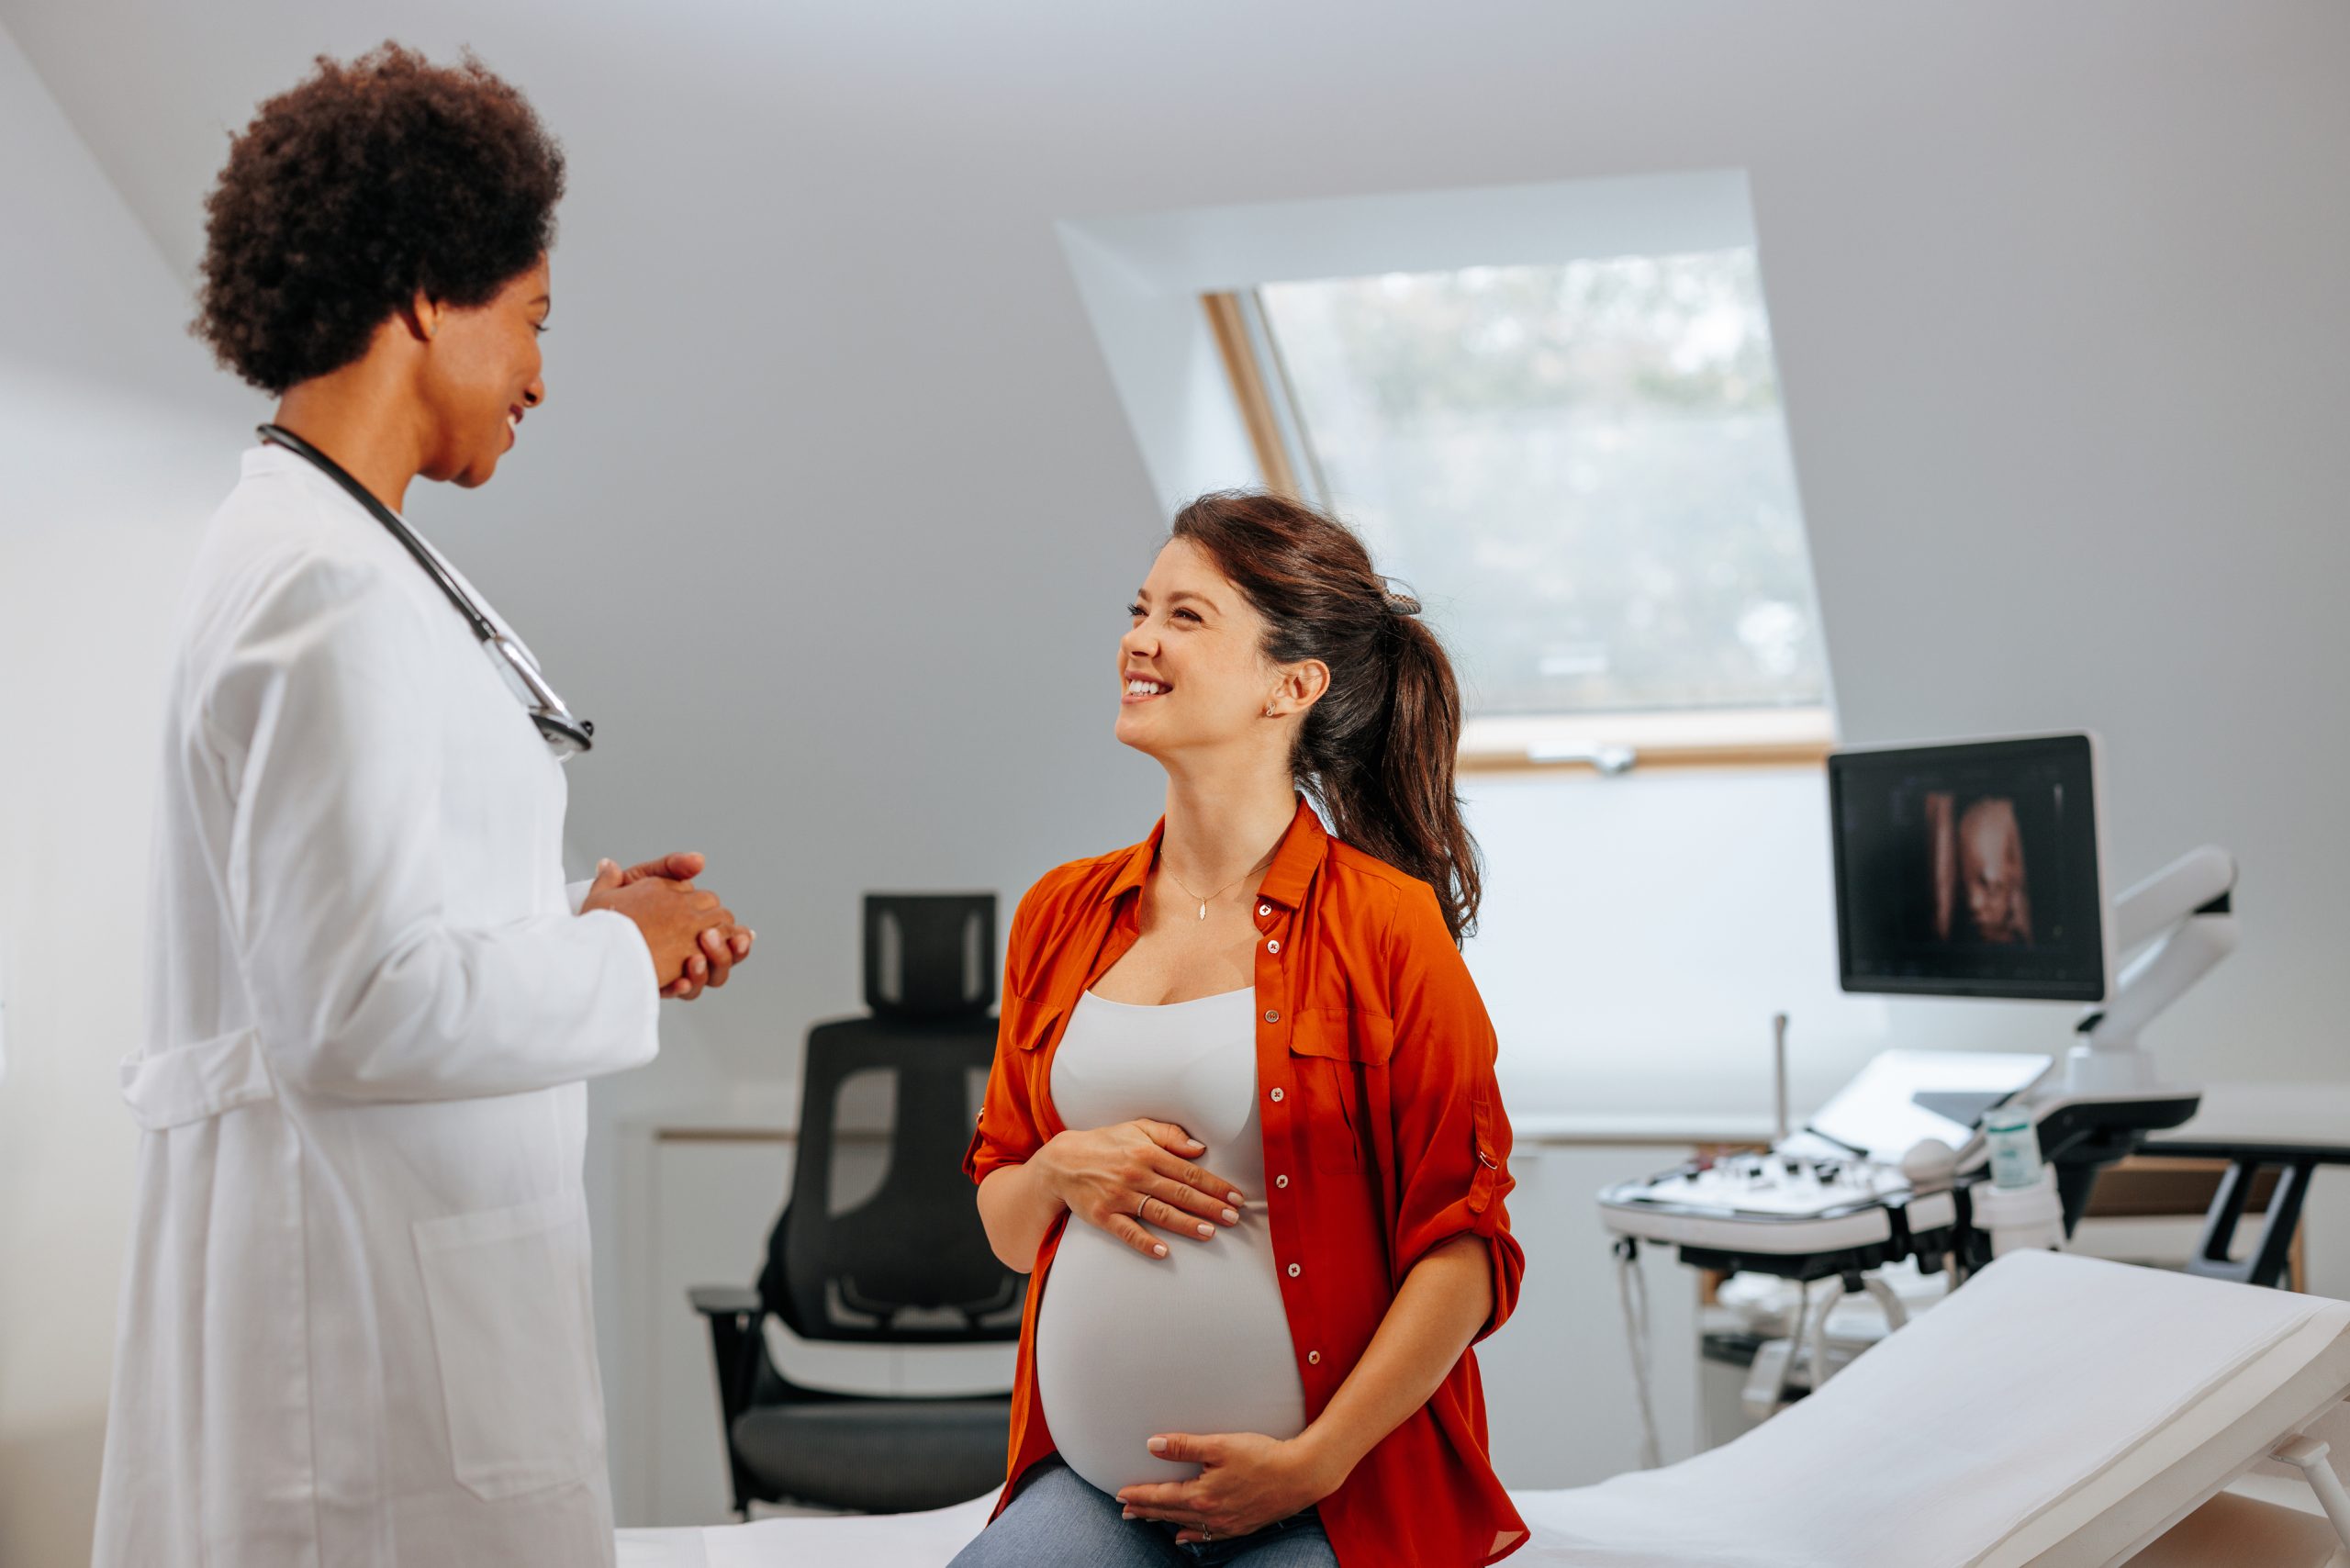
911 1262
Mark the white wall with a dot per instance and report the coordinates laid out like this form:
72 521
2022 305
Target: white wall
115 442
831 515
832 511
1725 877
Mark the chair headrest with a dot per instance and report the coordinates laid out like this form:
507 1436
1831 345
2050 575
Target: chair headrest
929 955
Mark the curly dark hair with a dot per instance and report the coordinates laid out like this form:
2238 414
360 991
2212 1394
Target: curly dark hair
361 187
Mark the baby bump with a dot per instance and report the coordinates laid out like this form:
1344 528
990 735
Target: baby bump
1128 1347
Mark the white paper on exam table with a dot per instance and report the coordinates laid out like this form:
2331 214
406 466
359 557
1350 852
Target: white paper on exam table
927 1539
662 1549
2052 1392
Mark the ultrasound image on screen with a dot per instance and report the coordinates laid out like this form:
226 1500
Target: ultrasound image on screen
1981 871
1969 870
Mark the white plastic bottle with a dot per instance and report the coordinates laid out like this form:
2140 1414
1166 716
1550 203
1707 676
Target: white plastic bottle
2020 1209
2014 1146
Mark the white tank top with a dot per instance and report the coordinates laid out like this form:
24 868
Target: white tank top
1197 1342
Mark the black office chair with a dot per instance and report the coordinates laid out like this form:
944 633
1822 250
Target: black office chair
909 1265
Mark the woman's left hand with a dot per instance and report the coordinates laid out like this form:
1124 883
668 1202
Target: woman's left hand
1250 1480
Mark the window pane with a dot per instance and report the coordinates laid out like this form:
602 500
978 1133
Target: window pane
1583 471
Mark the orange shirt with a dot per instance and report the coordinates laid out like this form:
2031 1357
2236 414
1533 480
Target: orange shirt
1385 1136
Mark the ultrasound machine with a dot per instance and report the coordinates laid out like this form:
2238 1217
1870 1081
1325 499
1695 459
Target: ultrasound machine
1973 870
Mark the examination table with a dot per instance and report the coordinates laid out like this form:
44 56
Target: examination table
2057 1412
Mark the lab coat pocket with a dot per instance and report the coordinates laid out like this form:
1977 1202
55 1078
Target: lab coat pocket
506 1292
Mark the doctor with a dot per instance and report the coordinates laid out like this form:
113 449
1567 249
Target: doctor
355 1327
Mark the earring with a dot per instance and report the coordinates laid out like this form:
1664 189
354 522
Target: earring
1268 709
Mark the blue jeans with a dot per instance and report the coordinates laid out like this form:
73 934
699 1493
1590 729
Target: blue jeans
1059 1521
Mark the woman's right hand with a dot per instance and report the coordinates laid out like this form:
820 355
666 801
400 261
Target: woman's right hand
1123 1177
670 916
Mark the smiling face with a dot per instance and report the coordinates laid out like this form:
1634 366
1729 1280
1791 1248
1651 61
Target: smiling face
1191 671
480 375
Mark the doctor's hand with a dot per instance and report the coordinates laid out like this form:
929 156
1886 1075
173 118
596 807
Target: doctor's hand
1121 1178
674 917
721 949
1247 1481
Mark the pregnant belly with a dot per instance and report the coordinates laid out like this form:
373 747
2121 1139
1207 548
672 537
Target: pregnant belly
1128 1347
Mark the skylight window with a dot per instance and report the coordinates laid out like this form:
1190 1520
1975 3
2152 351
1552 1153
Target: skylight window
1584 471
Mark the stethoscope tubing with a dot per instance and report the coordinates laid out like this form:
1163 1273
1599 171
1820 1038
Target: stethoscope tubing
279 435
548 712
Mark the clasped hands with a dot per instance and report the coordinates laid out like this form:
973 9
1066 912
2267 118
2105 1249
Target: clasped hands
691 935
1123 1179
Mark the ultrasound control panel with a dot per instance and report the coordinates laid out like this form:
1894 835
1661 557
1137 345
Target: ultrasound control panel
1788 1186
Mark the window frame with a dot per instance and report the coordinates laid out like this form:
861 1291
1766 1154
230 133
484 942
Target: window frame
1602 743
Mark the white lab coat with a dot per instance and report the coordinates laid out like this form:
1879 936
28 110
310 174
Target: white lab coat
355 1329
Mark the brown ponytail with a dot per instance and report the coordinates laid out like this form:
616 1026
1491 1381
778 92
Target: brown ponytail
1376 754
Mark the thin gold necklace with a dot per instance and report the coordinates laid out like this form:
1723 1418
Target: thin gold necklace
1222 890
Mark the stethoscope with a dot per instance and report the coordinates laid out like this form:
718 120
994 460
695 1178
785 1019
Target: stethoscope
565 736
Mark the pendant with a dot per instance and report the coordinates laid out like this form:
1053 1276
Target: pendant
1203 911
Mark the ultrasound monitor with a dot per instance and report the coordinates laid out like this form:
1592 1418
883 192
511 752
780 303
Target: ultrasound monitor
1971 869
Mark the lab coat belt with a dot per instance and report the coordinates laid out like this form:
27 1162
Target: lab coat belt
194 1083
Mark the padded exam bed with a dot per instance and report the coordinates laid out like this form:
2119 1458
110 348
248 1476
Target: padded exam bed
2057 1412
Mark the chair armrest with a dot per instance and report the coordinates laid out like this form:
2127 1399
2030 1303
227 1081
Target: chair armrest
724 1301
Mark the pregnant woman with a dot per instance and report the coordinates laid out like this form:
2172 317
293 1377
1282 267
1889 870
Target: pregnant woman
1243 1127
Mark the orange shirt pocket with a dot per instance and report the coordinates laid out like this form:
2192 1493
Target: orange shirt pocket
1331 1050
1012 1118
1027 1022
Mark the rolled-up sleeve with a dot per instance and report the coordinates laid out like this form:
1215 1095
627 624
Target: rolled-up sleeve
1452 1136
